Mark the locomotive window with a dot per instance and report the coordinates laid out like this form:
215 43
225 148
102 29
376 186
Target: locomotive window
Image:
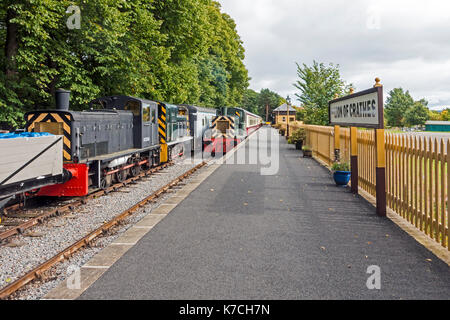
146 113
153 116
134 107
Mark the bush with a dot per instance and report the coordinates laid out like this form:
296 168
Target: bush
340 166
298 135
306 148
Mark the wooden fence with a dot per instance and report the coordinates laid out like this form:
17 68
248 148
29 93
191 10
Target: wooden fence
417 176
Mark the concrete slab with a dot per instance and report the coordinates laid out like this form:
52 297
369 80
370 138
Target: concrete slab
175 199
87 277
131 236
108 256
150 220
164 209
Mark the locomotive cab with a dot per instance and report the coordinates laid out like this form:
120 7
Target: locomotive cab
145 115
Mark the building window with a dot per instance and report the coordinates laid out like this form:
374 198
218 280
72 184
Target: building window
284 119
291 119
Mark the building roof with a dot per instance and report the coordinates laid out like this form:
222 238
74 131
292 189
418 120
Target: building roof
446 123
283 107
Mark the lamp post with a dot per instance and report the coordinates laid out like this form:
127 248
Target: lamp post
288 103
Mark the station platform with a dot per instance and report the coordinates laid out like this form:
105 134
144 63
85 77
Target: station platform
291 235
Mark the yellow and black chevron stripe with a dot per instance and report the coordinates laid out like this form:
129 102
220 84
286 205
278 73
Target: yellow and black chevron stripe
223 126
162 120
33 119
162 131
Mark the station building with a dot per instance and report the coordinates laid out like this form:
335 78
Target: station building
280 114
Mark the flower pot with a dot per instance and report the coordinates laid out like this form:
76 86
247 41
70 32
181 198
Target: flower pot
299 145
341 177
307 153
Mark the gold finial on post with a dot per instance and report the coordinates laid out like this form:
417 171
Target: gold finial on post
352 91
377 83
336 95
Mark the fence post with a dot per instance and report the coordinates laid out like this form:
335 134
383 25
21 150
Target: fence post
381 172
354 158
337 143
380 158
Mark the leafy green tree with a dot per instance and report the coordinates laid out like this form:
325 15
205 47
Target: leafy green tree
268 98
417 114
179 51
250 101
434 115
300 115
396 106
445 115
318 84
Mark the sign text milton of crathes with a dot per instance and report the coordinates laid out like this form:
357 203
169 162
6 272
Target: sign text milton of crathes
361 109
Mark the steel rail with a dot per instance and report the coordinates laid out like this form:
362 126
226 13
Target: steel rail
16 230
37 273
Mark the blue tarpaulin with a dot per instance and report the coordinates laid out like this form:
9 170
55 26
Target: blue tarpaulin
23 135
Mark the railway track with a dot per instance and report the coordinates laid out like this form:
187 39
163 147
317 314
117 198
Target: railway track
38 272
13 212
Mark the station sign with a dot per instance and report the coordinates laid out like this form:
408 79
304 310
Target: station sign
361 109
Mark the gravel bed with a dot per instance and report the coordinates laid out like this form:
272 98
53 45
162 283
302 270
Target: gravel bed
60 232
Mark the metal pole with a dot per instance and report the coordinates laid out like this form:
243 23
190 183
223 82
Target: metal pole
288 102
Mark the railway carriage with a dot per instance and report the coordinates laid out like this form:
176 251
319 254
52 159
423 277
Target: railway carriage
200 120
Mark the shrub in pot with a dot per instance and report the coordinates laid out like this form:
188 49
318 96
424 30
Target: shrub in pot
341 173
297 138
307 152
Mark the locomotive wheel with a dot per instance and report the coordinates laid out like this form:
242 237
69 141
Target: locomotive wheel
103 183
134 171
121 176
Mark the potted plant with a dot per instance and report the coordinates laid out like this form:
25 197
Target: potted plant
297 138
307 152
341 173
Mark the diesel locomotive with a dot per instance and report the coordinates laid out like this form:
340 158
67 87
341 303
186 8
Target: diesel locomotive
117 137
230 127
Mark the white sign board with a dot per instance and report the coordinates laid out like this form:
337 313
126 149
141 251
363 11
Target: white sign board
362 109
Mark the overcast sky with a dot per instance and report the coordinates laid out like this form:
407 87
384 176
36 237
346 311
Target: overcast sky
405 43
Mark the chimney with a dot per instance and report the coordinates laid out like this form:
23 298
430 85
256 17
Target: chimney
62 98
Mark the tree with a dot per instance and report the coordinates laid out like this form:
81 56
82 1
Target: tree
396 106
434 115
417 114
250 101
445 115
270 99
318 84
178 51
300 114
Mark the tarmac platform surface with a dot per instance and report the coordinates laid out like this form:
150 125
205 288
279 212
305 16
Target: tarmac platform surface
292 235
